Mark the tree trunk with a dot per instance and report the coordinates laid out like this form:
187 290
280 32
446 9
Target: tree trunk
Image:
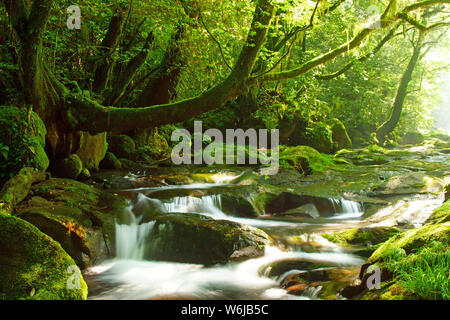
386 128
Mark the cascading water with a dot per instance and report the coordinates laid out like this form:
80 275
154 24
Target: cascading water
345 209
131 238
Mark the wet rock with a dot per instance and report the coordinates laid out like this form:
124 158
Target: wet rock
80 217
193 238
34 266
280 267
238 206
287 203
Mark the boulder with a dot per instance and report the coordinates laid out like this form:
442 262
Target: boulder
122 146
305 159
34 266
410 183
413 138
111 162
71 167
192 238
80 217
92 149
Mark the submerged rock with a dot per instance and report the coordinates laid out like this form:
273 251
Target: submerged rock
193 238
34 266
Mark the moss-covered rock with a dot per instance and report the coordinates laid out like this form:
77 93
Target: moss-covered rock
362 236
199 239
122 146
79 216
92 149
158 146
22 141
441 215
71 167
34 266
339 134
412 240
305 159
413 138
17 188
111 162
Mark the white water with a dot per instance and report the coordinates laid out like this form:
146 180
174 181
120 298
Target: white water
130 239
133 278
151 279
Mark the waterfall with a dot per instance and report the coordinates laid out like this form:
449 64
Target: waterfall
208 205
131 238
346 208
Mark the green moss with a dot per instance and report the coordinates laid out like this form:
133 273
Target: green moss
376 149
362 236
441 215
414 239
307 160
22 141
33 265
425 273
71 167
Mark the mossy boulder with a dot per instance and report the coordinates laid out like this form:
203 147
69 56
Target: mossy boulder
413 138
34 266
111 162
122 146
412 240
320 137
238 206
22 141
79 216
362 236
447 192
339 134
157 145
71 167
288 203
193 238
92 149
305 159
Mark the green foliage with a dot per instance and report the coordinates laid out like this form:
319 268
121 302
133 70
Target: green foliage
425 273
22 138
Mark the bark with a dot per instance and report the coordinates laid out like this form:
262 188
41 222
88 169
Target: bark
108 46
70 112
386 128
128 74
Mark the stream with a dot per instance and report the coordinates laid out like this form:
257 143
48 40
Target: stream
130 276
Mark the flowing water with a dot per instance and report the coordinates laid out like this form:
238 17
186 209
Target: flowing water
128 276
